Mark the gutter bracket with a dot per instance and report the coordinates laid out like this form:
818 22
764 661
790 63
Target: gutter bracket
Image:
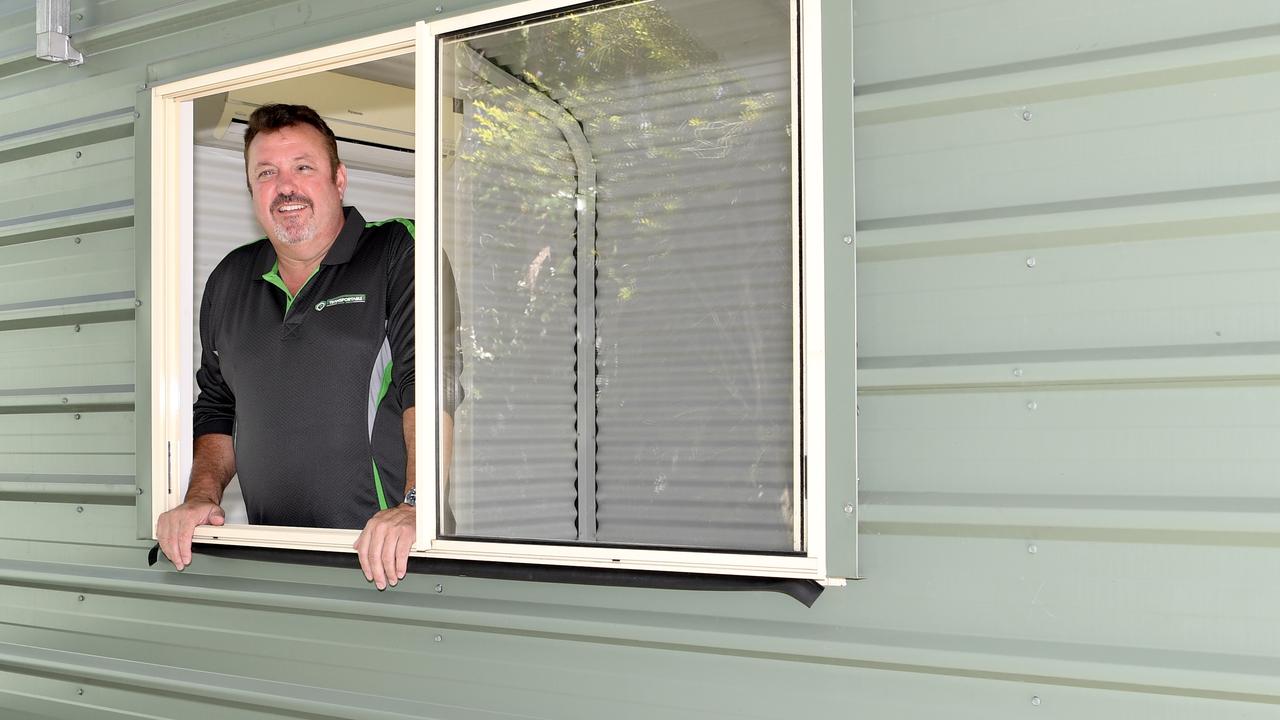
53 19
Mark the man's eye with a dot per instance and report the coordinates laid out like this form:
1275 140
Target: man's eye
304 167
264 173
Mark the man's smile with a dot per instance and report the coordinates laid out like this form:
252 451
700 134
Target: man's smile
288 206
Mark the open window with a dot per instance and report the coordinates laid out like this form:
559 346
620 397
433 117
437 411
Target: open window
370 108
365 91
620 277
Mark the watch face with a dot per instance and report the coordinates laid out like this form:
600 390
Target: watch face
411 497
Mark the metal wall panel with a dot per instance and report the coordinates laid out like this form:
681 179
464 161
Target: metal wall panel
932 41
1147 298
66 270
1077 146
66 447
1067 335
1195 443
1067 465
67 301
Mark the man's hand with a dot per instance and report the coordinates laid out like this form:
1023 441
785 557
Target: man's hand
175 528
213 463
384 545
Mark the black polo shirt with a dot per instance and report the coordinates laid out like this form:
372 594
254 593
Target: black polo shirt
313 387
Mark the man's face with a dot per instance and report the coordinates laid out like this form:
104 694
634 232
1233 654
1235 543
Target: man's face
296 196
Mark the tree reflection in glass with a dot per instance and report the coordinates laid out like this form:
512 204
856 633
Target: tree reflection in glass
666 278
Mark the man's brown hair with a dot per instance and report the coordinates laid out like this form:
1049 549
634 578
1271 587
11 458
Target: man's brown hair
270 118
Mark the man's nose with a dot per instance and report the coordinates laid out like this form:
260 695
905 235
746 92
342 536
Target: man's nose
286 181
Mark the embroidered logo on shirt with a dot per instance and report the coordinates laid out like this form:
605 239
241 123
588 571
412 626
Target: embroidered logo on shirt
340 300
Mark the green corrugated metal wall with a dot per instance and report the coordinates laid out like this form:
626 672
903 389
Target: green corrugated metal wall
1069 321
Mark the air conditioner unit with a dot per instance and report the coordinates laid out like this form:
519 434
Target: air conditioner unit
359 110
376 119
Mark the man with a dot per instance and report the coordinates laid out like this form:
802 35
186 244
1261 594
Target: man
308 358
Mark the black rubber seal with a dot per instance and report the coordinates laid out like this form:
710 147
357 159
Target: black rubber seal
804 591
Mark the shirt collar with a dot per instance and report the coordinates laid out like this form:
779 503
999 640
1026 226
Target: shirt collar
348 238
342 250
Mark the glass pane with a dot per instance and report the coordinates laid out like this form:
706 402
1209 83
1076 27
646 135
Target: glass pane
616 202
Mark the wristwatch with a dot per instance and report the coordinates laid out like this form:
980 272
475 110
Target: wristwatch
411 497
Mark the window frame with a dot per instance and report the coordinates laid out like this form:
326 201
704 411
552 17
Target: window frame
170 272
827 557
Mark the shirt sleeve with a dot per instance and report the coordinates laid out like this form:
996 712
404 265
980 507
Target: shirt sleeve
400 331
215 406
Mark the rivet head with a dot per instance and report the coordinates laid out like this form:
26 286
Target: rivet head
1031 262
439 588
65 401
77 329
848 508
139 491
77 241
439 9
79 691
1017 372
1032 405
76 416
848 239
1026 115
1035 700
79 508
79 154
79 17
1033 549
80 598
137 302
439 638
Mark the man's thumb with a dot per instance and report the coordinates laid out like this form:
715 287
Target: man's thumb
217 517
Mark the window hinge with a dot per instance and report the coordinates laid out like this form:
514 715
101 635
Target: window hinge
168 468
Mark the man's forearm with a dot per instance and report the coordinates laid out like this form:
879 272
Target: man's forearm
410 451
446 448
446 461
448 524
213 464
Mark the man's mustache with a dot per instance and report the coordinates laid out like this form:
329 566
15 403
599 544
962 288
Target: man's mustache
290 199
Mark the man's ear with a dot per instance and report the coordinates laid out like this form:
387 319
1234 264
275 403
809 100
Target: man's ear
340 179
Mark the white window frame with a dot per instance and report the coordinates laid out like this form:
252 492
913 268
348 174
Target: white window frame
172 311
171 314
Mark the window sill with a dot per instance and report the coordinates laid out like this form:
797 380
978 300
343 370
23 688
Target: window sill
804 591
